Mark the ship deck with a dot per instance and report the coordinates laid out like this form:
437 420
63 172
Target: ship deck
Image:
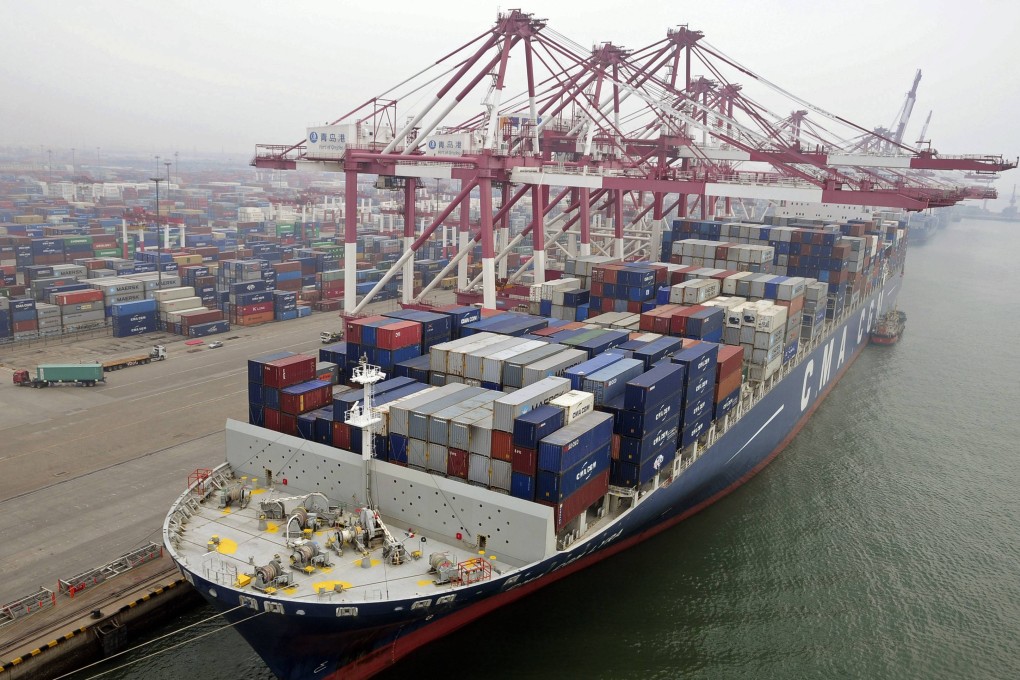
226 545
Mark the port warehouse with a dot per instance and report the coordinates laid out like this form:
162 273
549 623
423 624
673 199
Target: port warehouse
555 410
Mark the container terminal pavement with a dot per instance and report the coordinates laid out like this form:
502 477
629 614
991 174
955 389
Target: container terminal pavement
87 473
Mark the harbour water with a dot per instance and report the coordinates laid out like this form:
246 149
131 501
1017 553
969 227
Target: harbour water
884 542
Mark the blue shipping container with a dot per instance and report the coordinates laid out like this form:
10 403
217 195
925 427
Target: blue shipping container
565 447
653 387
535 425
554 487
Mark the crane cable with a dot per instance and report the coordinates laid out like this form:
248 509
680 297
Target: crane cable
162 637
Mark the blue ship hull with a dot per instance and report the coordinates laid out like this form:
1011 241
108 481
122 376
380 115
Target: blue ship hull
324 641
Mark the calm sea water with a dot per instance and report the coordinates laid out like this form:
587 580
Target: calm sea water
883 543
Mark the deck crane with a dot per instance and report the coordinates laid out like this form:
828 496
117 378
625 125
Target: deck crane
632 135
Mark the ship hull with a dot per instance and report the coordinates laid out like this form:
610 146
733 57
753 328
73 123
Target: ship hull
318 641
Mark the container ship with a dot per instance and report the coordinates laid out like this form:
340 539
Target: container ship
475 456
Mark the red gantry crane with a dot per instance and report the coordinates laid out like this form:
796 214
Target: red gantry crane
589 135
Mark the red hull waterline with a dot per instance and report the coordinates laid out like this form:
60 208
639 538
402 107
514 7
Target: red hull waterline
385 657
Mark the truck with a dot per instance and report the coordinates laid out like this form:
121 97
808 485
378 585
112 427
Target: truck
327 337
85 375
157 353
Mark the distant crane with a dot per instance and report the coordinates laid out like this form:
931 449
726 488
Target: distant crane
904 115
924 131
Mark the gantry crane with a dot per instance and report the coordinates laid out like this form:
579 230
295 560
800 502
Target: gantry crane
608 131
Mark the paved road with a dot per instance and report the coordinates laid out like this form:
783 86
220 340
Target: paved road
87 474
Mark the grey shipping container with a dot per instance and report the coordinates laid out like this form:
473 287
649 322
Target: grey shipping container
506 408
478 469
473 361
418 418
439 422
480 435
499 475
417 453
460 426
513 373
437 454
399 413
553 366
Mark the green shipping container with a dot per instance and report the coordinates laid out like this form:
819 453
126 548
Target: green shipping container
107 252
70 372
77 240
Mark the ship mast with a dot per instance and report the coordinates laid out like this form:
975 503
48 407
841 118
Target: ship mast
363 415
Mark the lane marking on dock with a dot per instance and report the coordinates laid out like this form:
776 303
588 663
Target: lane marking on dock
778 411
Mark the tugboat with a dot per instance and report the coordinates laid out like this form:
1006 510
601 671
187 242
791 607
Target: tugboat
889 328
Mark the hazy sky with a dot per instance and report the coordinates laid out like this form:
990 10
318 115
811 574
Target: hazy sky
208 75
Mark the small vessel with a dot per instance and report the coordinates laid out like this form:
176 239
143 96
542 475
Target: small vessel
889 328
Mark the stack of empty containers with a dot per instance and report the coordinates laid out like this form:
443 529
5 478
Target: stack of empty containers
134 318
648 424
282 386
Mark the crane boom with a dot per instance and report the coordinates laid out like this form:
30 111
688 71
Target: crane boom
908 107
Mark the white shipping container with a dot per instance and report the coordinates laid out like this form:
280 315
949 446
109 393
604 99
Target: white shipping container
771 319
575 404
180 304
168 294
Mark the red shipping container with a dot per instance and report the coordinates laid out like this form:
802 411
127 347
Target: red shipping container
352 327
341 435
614 447
288 371
579 501
523 460
727 385
78 297
730 358
502 446
398 335
457 463
280 422
26 326
306 401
